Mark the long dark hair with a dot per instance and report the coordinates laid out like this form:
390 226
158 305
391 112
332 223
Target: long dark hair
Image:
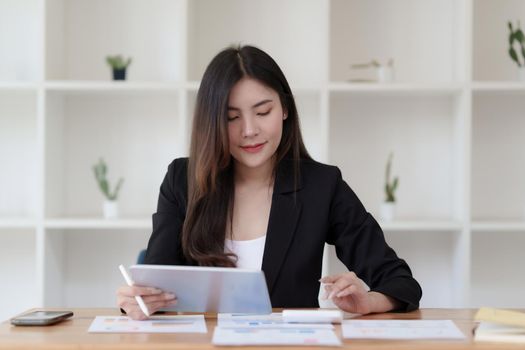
210 167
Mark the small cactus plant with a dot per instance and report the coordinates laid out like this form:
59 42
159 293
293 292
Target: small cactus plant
100 170
390 186
118 62
517 36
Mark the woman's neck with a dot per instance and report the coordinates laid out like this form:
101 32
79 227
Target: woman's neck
259 177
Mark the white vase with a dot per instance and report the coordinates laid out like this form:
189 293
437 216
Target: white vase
110 209
388 211
385 74
521 74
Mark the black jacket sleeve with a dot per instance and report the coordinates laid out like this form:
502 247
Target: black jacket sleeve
361 246
164 247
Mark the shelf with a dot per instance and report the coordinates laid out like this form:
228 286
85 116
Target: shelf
499 226
17 223
98 223
418 226
15 86
446 89
82 86
500 87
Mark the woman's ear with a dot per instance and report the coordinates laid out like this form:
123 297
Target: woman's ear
285 115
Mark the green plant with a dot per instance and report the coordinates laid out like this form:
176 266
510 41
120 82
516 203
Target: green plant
100 169
516 36
390 186
118 62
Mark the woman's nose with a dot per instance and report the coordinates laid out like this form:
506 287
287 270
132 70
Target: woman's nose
249 127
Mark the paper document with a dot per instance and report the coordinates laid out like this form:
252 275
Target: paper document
401 329
275 336
262 321
157 324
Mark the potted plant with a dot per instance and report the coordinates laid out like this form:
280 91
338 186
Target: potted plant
389 205
518 56
119 65
110 207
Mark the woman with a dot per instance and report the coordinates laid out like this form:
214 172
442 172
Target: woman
249 195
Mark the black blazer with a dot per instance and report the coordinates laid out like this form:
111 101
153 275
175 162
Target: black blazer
320 208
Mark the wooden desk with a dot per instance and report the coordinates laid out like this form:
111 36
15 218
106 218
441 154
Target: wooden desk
72 334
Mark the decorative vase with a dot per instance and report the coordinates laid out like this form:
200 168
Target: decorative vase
110 209
388 211
119 74
385 74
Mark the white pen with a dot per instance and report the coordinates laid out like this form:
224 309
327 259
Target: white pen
130 283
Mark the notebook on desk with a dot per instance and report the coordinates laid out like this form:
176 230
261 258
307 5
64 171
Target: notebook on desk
497 325
208 289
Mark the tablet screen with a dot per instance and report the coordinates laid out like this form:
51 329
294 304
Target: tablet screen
208 289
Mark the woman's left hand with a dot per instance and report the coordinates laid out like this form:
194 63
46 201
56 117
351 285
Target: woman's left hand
348 293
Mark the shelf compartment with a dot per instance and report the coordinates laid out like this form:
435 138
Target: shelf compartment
491 61
421 132
80 34
497 276
360 33
18 271
85 262
18 151
215 25
498 158
20 43
137 135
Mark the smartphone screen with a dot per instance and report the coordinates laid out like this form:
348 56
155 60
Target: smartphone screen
41 318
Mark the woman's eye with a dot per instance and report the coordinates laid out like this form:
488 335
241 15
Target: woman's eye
232 118
264 113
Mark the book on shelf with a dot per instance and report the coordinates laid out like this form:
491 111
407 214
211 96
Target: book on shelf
497 325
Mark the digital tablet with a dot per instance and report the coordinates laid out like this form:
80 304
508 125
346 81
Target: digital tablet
208 289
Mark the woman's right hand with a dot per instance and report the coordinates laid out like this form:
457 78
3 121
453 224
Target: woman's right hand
155 299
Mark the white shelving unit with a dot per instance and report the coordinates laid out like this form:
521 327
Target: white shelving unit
452 117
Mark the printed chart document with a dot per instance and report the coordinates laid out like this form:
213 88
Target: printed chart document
275 319
157 324
401 329
275 336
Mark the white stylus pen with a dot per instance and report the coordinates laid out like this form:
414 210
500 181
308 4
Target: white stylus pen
130 283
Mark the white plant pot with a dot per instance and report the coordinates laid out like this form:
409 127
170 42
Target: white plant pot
110 209
521 74
385 74
388 211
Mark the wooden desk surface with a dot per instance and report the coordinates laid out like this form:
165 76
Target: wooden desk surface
72 334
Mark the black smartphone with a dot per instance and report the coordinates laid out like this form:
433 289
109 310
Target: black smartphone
41 318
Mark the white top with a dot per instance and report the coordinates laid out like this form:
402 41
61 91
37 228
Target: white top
249 252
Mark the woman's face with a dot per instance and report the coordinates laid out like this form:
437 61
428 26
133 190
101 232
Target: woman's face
255 123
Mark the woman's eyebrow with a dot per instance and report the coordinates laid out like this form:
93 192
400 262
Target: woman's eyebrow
231 108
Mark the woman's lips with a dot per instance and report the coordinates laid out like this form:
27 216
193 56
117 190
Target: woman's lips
253 148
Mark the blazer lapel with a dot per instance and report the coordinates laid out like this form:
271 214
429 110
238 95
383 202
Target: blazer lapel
284 215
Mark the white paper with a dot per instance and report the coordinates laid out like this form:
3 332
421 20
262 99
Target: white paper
157 324
401 329
275 336
262 321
